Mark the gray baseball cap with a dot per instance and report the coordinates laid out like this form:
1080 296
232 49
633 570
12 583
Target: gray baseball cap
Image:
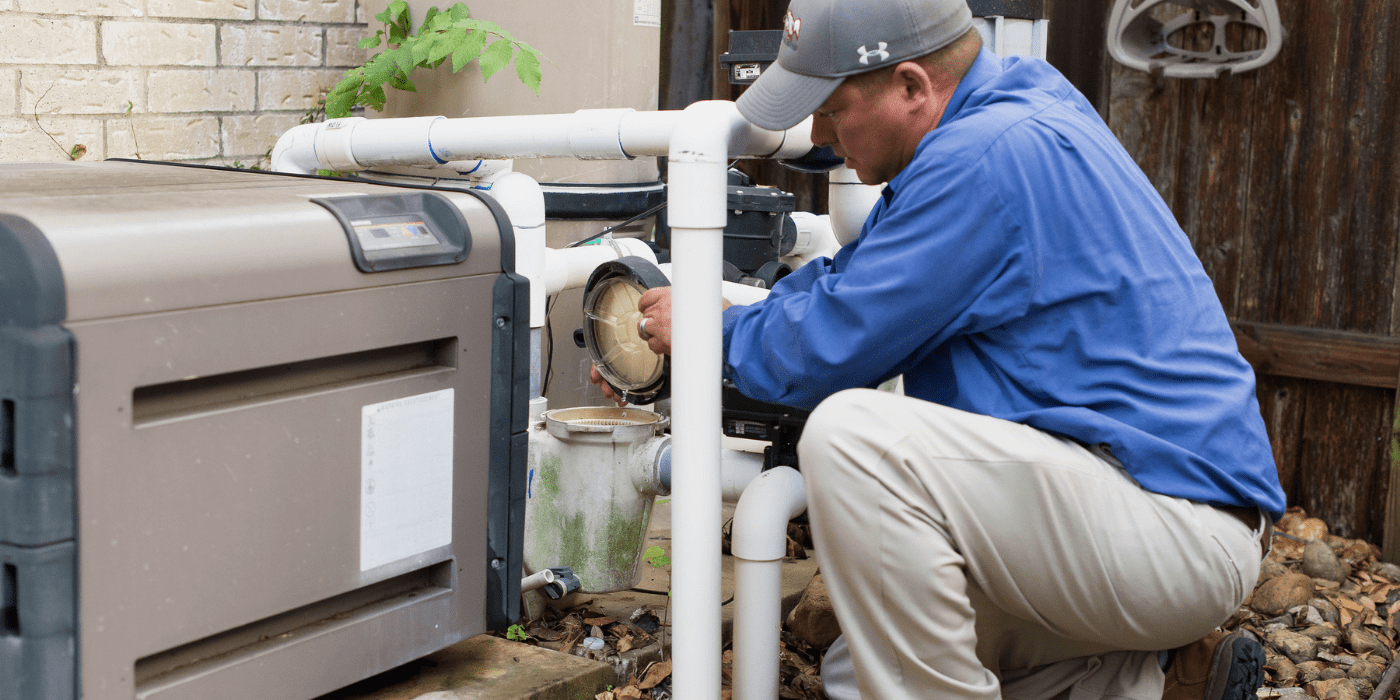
826 40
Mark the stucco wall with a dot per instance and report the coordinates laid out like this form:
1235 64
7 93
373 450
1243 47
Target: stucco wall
205 81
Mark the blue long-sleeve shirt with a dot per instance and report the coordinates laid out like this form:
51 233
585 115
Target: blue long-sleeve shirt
1023 267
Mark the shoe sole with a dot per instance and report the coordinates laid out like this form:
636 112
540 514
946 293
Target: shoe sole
1238 669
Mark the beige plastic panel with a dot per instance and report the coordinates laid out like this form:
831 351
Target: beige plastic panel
600 60
237 503
142 238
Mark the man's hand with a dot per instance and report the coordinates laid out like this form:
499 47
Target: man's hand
655 306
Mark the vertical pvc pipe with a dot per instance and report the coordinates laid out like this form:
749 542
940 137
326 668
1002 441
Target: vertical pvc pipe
697 201
759 545
758 604
695 410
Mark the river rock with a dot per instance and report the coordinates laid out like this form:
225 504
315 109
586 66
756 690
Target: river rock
814 620
1270 569
1387 570
1364 688
1366 670
1327 609
1362 641
1323 632
1309 671
1276 596
1298 648
1310 529
1319 561
1281 669
1331 673
1333 689
1306 615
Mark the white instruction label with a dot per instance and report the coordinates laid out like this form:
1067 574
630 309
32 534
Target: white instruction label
405 477
646 13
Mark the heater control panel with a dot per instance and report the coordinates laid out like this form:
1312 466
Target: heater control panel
397 231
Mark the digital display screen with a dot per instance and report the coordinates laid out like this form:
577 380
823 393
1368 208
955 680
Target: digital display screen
387 235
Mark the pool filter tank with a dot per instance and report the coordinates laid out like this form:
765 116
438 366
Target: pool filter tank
263 435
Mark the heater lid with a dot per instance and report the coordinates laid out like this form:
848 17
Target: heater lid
610 334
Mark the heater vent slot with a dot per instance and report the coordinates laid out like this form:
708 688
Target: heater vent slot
163 403
7 439
9 611
252 641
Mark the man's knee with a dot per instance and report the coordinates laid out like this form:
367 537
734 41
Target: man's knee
836 423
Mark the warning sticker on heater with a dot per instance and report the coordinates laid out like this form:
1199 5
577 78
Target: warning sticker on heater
405 477
646 13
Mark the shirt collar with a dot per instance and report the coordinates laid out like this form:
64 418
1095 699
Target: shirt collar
983 70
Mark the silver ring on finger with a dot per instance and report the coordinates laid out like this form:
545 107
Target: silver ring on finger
642 329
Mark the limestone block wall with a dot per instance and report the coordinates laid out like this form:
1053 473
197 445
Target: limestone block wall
203 81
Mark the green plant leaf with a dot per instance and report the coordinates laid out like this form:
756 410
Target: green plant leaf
441 46
342 97
527 68
516 633
418 47
458 11
495 57
402 57
400 81
652 552
379 69
428 20
373 97
396 16
371 42
465 48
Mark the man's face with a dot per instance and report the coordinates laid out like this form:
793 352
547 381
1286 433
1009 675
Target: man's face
864 126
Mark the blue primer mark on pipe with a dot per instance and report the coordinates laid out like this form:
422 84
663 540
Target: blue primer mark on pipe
529 482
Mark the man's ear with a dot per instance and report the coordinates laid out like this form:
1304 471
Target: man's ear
913 81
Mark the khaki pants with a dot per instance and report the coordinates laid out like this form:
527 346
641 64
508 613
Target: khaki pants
971 557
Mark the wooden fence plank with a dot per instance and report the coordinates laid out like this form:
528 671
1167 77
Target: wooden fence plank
1312 353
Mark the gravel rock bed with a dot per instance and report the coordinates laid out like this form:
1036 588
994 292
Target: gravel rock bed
1325 609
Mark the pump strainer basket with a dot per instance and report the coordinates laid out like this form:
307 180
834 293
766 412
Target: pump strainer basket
1139 40
627 364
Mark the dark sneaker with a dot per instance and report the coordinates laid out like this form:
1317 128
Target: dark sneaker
1220 667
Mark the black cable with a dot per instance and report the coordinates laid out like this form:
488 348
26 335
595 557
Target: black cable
615 227
549 353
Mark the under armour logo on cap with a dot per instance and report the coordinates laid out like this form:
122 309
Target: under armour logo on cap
792 29
879 53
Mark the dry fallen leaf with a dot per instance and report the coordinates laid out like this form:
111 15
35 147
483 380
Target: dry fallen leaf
599 621
657 673
631 692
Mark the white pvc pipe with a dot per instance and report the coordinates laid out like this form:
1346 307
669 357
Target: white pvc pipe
698 202
569 268
815 239
523 201
759 543
737 469
356 143
539 579
849 202
732 292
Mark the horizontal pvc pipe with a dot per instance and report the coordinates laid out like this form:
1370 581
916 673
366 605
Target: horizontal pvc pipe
539 579
732 292
356 143
569 268
759 543
736 470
